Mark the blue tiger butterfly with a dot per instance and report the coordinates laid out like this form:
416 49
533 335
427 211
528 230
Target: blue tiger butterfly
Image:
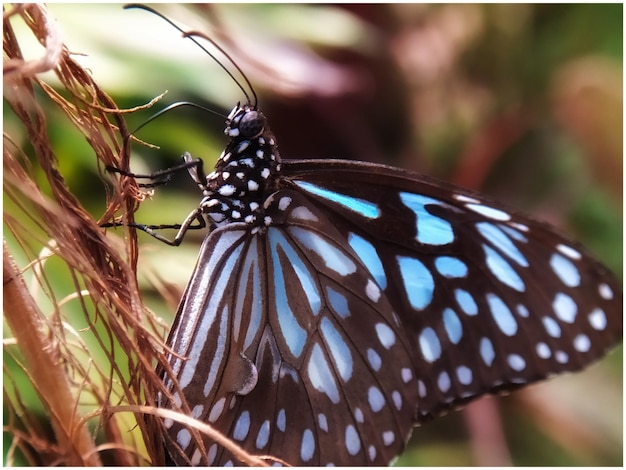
336 304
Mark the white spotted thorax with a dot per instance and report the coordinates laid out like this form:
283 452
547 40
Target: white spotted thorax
335 305
239 184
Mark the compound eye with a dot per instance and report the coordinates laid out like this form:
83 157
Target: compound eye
252 124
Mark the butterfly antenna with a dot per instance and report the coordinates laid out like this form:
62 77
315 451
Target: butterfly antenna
191 36
176 105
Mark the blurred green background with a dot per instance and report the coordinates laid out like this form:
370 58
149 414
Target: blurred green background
521 102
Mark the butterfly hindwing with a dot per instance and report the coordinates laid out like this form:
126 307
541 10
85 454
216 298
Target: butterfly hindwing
313 366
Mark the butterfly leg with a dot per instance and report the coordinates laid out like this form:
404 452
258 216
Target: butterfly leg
188 224
193 165
195 168
152 230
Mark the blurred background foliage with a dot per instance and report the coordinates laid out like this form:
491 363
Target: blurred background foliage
521 102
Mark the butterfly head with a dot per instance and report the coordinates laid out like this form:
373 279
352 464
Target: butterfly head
245 122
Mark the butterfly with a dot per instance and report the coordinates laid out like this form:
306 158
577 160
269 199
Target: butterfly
337 304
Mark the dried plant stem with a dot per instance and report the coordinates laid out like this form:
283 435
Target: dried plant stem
47 372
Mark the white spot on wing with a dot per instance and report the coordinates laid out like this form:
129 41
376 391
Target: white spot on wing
320 374
520 227
242 426
197 411
605 291
490 212
284 202
561 357
569 251
375 399
303 213
374 359
597 319
564 307
307 448
217 409
465 198
281 420
421 389
323 422
212 454
388 437
183 438
516 362
543 350
385 335
372 291
264 435
582 343
333 257
358 415
443 382
397 399
353 443
196 457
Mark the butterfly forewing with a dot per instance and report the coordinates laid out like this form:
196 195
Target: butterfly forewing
312 366
489 298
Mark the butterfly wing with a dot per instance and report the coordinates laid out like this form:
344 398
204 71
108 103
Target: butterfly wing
489 299
372 300
290 347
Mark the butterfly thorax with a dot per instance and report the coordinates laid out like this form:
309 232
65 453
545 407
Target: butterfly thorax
245 172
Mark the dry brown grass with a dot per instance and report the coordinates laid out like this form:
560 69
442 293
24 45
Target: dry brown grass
80 395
